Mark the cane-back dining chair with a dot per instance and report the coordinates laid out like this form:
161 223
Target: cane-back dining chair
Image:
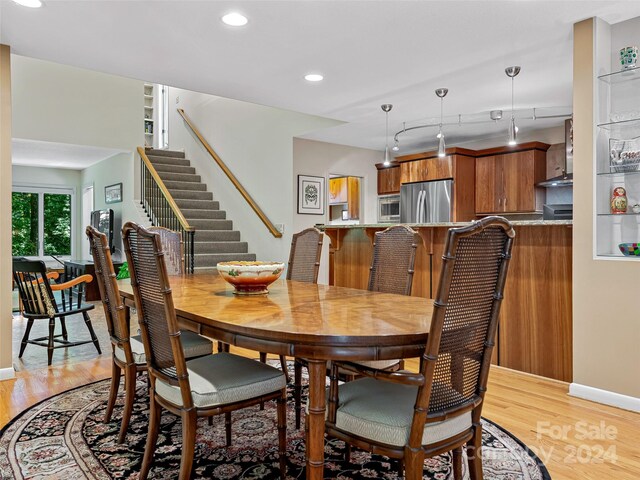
172 248
211 385
44 300
411 416
128 351
303 266
391 271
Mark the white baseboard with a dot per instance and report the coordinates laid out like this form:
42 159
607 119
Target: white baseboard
7 373
604 396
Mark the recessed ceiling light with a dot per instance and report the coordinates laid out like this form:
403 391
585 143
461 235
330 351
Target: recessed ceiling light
235 19
29 3
313 77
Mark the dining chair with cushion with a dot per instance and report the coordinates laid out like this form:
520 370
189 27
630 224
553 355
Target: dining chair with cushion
411 416
211 385
303 266
42 299
391 271
128 351
172 248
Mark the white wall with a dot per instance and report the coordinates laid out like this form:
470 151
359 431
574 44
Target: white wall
256 143
320 159
58 103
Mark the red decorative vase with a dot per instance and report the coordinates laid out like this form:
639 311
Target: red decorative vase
619 200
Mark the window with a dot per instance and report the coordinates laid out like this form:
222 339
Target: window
41 222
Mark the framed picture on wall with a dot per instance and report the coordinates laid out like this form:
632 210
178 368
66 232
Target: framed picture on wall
310 195
113 193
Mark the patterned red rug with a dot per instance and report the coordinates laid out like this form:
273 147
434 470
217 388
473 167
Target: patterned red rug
64 437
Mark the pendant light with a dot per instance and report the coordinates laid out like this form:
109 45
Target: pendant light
386 108
441 92
513 130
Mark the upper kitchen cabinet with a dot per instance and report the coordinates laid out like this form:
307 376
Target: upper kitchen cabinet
388 179
344 194
506 179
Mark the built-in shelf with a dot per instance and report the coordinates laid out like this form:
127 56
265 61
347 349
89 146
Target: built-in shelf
148 120
623 128
628 214
147 107
149 96
149 134
612 174
621 76
619 255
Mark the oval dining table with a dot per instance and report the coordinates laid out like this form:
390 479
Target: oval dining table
314 322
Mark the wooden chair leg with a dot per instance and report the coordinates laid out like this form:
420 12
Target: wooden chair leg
282 432
456 459
155 411
297 391
63 324
113 390
413 463
227 427
347 453
189 424
129 397
94 338
263 359
52 329
474 453
25 337
285 370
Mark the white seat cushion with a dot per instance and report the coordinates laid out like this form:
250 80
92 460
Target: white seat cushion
193 345
224 378
382 411
379 364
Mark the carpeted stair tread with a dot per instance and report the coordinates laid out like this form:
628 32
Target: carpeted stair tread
195 204
169 168
158 152
169 161
180 177
190 213
217 236
211 224
212 259
179 185
220 247
191 195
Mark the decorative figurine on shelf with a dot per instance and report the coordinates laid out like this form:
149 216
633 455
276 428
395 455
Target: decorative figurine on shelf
636 208
628 57
619 200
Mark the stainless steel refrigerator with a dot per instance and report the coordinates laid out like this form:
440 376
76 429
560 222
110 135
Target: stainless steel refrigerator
426 202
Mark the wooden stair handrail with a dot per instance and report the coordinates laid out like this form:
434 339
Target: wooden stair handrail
270 226
165 192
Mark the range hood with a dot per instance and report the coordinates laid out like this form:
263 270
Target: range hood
566 178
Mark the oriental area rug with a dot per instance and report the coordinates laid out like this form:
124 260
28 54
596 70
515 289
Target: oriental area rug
65 438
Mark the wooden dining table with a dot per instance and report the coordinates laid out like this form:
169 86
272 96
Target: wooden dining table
315 322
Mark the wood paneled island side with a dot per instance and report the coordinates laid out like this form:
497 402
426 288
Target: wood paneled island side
535 332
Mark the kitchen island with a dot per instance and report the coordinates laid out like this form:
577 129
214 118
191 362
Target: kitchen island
535 332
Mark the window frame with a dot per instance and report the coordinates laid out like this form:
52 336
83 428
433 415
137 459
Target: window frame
40 190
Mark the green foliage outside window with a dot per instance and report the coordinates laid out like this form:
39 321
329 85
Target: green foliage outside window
56 219
24 218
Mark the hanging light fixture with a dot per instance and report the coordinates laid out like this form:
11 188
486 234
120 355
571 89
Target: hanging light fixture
386 108
441 92
513 130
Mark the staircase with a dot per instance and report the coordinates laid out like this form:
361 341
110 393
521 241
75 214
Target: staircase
215 239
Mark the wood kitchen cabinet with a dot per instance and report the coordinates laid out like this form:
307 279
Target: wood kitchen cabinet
388 179
505 180
345 191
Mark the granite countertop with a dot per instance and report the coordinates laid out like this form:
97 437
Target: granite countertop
515 223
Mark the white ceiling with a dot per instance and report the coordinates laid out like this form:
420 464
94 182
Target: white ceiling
370 52
32 153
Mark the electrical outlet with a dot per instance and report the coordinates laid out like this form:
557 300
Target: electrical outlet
280 227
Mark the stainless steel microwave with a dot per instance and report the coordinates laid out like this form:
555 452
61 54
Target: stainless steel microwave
389 209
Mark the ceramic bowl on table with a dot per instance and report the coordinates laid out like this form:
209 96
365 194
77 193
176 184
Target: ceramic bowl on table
630 249
250 278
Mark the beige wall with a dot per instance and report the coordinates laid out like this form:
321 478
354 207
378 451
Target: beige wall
606 313
5 212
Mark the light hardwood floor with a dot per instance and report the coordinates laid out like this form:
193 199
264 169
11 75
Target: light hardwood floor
536 410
